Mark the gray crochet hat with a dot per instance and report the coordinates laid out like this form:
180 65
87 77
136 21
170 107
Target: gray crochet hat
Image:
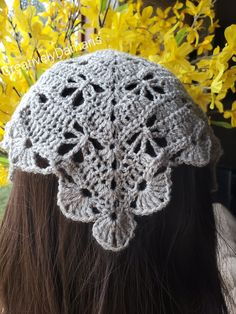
110 126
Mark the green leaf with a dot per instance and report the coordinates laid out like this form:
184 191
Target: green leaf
103 5
4 161
179 37
122 7
27 77
222 124
39 73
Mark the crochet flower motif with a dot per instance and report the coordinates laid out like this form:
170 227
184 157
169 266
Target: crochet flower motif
112 215
148 86
113 228
80 89
74 139
22 151
154 194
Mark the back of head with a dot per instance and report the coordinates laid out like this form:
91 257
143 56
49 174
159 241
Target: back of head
50 264
113 167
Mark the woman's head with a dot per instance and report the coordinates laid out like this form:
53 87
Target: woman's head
113 166
51 264
111 126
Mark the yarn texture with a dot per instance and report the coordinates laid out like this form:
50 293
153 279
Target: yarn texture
110 126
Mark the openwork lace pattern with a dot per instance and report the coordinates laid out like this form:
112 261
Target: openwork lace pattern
111 126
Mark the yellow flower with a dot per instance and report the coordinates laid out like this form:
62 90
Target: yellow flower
175 57
24 18
191 8
163 19
90 8
213 26
178 6
146 15
216 84
193 36
231 114
229 79
230 35
216 102
163 14
3 176
3 18
205 45
200 97
203 7
230 48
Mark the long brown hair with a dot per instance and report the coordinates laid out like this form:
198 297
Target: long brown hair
52 265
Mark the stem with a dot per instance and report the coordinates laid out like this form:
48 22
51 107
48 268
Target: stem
68 27
38 54
204 58
16 91
105 15
115 3
15 35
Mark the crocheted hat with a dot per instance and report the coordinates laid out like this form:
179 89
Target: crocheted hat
110 126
